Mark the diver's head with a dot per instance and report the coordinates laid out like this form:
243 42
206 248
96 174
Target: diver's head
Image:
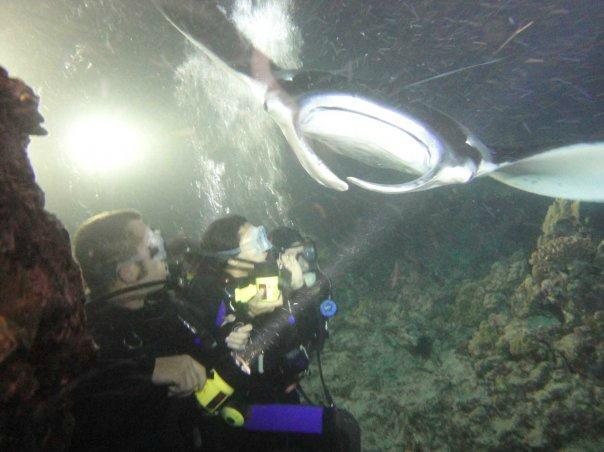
183 261
237 242
289 241
284 237
116 251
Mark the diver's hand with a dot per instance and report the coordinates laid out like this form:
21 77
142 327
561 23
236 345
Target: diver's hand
240 265
239 337
256 306
230 318
181 373
290 262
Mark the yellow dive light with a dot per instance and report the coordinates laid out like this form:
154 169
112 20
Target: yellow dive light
214 393
267 285
233 416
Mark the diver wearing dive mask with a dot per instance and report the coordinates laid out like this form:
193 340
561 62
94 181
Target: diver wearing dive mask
147 360
298 262
281 340
254 244
239 255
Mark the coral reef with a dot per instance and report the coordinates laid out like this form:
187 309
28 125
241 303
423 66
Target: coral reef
543 362
43 342
511 361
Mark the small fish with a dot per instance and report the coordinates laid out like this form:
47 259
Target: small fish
395 275
319 209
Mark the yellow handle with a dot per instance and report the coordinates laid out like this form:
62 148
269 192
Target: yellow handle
214 393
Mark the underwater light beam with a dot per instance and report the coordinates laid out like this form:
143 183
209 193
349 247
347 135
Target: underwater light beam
100 144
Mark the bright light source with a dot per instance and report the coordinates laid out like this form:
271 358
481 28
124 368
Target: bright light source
101 144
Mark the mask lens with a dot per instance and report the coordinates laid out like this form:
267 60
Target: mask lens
263 241
157 251
258 240
156 246
309 252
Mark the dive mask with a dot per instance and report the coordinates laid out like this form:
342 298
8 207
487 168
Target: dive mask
309 252
155 242
256 242
157 250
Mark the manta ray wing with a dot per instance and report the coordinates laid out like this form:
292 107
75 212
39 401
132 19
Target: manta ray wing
573 172
207 26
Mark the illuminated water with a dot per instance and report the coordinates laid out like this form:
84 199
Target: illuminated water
139 118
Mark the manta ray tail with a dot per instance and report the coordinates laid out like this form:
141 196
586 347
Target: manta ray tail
573 172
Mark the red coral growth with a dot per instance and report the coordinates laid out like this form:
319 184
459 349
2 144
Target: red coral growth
43 342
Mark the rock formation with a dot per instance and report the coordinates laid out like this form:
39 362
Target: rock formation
516 360
43 343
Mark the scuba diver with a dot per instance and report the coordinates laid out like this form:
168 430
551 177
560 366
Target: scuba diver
151 346
282 341
154 348
147 364
272 296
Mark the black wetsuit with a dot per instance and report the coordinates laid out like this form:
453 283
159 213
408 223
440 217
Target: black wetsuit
288 337
278 337
118 407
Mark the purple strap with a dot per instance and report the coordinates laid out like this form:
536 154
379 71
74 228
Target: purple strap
285 418
222 309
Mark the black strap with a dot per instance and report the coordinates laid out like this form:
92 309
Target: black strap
125 290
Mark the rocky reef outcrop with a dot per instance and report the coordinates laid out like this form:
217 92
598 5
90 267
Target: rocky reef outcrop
44 346
543 361
509 361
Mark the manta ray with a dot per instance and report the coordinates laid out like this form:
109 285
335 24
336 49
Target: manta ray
428 145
